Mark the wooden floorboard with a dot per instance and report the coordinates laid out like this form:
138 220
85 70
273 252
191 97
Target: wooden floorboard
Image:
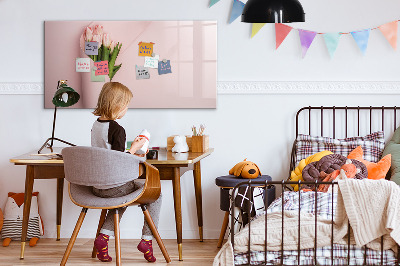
50 252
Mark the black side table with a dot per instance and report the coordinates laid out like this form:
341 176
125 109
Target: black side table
226 183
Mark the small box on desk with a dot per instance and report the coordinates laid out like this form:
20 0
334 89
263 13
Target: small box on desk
200 143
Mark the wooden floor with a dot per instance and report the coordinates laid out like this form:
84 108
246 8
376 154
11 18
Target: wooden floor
50 252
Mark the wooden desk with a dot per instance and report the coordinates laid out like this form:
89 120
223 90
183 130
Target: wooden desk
40 167
171 167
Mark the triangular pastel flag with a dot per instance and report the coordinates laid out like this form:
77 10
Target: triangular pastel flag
255 28
306 39
281 31
361 37
213 2
390 32
237 9
332 41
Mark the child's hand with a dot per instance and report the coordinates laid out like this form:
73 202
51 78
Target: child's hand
137 144
142 155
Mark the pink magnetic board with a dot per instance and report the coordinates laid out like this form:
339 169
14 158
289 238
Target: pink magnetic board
190 48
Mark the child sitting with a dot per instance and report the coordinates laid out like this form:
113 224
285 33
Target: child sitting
107 133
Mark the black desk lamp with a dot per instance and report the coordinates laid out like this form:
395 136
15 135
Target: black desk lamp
65 96
273 11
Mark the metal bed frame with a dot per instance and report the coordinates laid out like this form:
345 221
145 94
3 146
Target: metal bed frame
283 184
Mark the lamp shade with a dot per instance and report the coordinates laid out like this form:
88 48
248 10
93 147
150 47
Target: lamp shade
273 11
65 96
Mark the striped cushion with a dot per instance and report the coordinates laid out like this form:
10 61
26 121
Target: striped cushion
13 228
372 145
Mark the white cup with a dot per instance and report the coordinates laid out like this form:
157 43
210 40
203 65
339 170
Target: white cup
144 134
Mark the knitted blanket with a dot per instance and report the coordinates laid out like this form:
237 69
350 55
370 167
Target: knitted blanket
371 207
274 235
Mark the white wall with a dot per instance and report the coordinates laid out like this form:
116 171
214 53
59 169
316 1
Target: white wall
259 127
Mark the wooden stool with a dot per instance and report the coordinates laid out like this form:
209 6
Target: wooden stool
226 183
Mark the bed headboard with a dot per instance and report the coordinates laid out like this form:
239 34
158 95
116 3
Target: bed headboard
344 121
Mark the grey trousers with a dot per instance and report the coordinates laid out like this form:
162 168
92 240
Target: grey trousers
153 208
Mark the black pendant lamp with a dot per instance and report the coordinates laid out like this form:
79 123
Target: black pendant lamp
273 11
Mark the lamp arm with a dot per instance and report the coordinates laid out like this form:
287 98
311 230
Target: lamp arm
54 126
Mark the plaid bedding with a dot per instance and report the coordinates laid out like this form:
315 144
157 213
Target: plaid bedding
324 257
372 145
323 207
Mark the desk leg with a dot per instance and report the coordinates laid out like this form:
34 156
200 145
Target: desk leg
197 189
27 206
176 182
60 190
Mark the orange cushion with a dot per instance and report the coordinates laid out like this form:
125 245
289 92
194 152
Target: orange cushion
375 170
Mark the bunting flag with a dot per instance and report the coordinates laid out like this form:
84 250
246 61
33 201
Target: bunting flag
332 41
256 27
281 31
361 37
237 9
213 2
389 30
306 39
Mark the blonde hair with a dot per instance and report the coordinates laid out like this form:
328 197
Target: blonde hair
113 97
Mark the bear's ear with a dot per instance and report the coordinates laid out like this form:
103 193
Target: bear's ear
239 170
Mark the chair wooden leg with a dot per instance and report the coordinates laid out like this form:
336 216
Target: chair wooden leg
223 229
101 222
117 239
154 230
73 237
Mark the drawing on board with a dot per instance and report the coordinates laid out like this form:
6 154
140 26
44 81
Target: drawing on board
177 59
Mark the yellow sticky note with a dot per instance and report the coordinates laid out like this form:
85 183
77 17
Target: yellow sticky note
145 48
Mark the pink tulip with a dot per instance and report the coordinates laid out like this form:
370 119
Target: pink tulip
112 46
88 34
98 30
97 38
106 40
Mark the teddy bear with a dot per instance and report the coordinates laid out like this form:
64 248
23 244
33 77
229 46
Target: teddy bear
180 144
245 169
13 215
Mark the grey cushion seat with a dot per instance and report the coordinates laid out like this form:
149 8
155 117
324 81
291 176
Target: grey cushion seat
83 196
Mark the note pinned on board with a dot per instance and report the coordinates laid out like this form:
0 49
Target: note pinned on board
164 67
82 64
94 78
142 72
145 48
151 62
101 68
91 48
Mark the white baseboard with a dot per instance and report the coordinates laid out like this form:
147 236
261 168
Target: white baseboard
259 87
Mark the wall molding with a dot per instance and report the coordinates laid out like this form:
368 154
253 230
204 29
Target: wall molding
259 87
309 87
21 88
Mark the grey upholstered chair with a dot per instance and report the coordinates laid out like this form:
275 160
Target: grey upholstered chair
85 167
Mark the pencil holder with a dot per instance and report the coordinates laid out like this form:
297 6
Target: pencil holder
200 143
